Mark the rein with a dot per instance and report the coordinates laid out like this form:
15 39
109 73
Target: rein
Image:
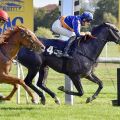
23 34
93 59
2 51
6 55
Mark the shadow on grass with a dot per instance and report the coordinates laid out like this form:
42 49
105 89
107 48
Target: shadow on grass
19 108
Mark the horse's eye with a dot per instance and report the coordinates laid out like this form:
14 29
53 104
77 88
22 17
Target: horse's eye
29 36
116 30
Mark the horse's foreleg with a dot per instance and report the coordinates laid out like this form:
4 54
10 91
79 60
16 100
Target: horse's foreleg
94 79
4 78
41 83
28 81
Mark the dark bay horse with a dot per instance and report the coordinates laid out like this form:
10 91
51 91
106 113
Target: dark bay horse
81 66
10 43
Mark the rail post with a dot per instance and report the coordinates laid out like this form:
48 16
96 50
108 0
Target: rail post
117 102
118 86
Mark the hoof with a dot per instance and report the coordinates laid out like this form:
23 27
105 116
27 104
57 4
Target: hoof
34 101
57 101
88 100
61 88
1 97
43 101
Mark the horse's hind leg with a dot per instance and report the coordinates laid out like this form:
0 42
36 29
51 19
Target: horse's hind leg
4 78
28 81
77 83
94 79
15 87
41 84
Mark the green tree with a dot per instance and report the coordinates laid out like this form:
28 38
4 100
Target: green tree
43 32
108 17
49 18
103 7
44 19
38 16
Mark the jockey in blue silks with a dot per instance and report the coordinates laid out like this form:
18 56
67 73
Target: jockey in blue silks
70 26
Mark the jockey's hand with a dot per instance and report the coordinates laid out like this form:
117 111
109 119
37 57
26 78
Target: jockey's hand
89 36
87 33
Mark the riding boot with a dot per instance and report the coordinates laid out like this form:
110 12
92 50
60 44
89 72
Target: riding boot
65 54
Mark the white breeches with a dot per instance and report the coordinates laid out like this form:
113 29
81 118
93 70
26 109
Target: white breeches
57 28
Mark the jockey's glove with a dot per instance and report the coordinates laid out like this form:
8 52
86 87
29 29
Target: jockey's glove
87 37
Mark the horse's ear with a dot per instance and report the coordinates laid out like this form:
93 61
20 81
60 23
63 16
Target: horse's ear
22 28
106 24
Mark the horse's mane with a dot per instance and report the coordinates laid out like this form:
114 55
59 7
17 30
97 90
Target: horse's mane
9 33
97 28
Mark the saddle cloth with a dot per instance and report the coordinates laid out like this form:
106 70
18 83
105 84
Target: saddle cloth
56 47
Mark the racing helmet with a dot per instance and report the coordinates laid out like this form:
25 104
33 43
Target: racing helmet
87 16
3 15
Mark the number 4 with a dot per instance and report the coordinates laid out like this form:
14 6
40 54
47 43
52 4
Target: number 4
50 50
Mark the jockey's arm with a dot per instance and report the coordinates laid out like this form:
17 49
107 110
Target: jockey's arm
76 27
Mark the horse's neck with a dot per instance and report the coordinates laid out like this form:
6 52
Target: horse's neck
93 48
11 48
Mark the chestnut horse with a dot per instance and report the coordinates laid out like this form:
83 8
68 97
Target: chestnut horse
10 43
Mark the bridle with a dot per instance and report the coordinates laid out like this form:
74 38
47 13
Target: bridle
28 37
114 34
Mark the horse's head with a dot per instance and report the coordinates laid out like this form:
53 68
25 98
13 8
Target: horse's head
114 33
29 40
107 32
